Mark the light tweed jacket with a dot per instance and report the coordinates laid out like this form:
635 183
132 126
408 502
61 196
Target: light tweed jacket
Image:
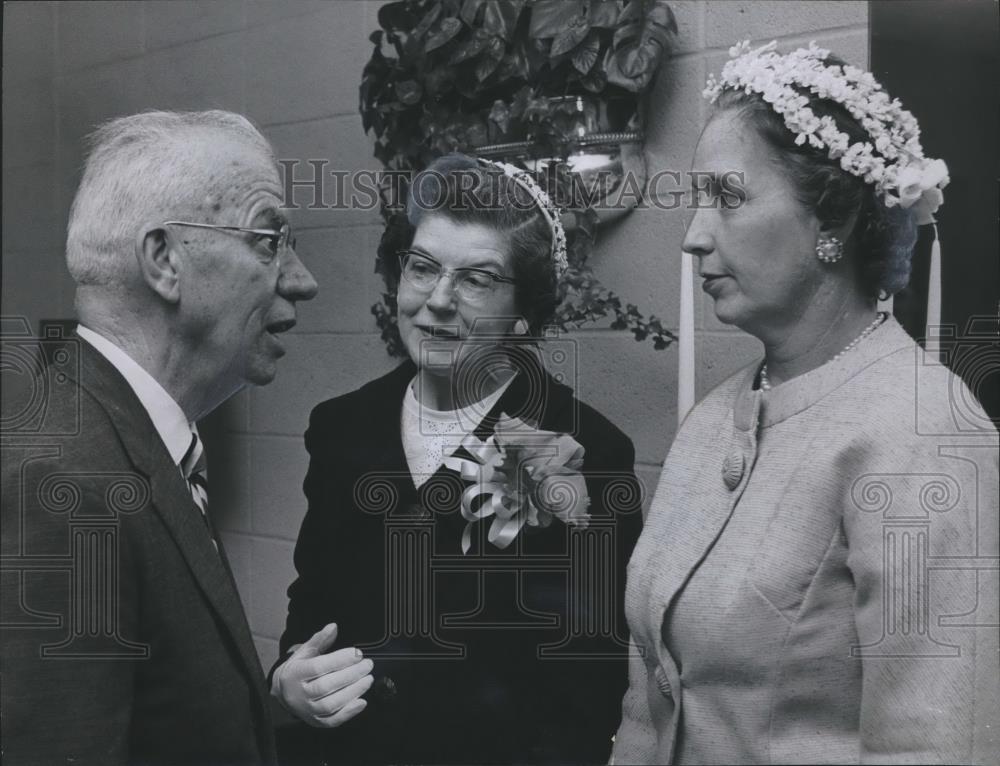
817 577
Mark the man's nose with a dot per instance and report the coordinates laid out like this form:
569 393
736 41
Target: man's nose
295 282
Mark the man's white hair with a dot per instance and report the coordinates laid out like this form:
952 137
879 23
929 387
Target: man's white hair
140 169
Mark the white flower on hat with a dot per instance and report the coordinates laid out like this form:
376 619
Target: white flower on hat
892 159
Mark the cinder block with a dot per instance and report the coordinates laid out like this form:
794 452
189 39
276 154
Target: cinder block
271 572
632 385
690 16
638 257
763 20
277 468
337 145
98 32
675 117
851 46
266 12
267 652
28 41
33 285
171 22
317 367
29 222
178 77
229 479
306 67
343 262
719 355
28 124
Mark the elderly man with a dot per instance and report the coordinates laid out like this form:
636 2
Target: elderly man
124 637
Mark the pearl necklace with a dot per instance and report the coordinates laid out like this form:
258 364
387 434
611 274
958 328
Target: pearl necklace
765 384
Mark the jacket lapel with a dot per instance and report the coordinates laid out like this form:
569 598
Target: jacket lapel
172 500
688 535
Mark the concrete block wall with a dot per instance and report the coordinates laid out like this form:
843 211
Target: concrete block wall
293 66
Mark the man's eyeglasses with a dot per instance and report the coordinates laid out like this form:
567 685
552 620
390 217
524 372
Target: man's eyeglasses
472 285
277 240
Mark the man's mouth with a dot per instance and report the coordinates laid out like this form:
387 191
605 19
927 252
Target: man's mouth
276 328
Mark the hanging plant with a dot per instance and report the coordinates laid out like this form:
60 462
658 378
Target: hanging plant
458 75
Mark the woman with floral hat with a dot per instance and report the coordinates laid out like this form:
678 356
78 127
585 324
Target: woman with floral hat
469 519
816 579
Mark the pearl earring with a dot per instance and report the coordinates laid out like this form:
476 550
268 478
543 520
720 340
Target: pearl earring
829 249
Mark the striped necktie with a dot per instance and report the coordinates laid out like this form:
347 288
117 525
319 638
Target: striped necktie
195 470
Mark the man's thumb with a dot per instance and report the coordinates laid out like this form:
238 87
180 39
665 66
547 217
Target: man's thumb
319 643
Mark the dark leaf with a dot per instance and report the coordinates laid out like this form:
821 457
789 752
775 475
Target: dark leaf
550 17
501 17
439 81
595 81
500 115
639 48
470 9
520 102
396 16
603 13
409 92
471 47
476 134
427 21
490 59
446 30
571 36
585 55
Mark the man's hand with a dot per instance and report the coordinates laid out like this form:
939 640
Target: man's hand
323 690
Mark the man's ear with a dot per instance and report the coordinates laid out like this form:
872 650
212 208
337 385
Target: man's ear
154 250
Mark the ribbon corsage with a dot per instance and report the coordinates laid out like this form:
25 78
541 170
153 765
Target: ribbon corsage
520 475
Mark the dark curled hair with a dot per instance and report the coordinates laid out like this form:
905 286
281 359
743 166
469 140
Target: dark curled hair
458 188
883 237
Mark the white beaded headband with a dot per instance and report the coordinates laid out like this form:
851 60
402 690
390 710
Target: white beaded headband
551 213
892 160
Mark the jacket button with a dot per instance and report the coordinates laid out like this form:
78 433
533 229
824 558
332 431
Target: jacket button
732 469
662 683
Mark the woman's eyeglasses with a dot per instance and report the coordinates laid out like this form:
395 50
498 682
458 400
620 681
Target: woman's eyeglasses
471 285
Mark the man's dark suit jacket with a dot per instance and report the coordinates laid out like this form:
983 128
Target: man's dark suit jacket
456 642
124 638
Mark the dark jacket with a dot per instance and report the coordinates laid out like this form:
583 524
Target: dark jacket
124 639
501 656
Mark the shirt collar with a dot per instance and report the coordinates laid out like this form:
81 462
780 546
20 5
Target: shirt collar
168 418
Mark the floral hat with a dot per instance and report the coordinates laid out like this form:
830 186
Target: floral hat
892 160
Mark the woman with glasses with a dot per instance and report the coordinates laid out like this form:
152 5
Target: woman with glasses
469 519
